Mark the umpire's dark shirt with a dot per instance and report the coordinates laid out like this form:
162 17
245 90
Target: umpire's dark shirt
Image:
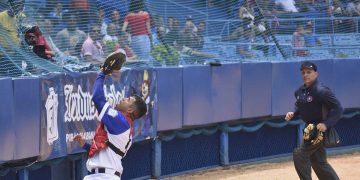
309 103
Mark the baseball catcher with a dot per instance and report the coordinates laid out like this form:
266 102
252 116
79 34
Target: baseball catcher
113 137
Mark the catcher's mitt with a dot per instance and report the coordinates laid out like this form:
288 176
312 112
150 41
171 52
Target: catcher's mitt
114 61
312 135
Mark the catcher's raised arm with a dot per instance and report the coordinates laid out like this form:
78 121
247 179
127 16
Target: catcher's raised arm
114 61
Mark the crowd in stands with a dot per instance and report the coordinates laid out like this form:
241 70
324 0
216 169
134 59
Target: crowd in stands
68 31
85 32
259 21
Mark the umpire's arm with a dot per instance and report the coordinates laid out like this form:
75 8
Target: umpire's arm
293 113
333 105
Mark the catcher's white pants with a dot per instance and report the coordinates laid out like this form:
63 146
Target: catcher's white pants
101 176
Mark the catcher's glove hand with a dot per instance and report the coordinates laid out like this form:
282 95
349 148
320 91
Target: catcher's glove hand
312 135
114 61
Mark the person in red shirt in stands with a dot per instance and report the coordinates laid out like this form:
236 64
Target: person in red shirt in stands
35 38
139 22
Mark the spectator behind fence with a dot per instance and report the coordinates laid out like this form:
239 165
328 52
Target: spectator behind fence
47 30
57 12
82 8
102 21
353 8
310 38
305 6
139 22
247 21
156 22
172 33
298 41
117 20
201 34
9 22
189 43
336 9
92 51
39 44
70 39
189 36
276 7
244 49
282 6
114 42
246 14
260 29
111 39
159 36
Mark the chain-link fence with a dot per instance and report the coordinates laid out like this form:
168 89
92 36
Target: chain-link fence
41 36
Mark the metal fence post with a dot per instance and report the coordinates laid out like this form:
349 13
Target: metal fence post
23 174
224 148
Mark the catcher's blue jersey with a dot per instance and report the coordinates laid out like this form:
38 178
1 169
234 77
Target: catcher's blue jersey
118 129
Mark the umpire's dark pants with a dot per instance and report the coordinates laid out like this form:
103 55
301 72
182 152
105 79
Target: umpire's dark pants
307 156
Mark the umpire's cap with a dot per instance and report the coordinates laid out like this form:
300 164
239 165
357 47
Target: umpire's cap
308 65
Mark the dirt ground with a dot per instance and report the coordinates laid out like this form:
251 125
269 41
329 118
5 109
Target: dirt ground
346 165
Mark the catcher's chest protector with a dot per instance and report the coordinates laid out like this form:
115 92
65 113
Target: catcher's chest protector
99 140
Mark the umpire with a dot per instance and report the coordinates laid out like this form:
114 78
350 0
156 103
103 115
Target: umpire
312 100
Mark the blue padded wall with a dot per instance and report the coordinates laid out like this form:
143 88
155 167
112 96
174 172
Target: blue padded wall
27 103
137 162
181 155
326 72
11 175
169 87
197 107
286 78
226 92
45 173
349 131
256 89
267 141
7 133
346 79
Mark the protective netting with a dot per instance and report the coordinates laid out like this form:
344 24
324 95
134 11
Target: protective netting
76 35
